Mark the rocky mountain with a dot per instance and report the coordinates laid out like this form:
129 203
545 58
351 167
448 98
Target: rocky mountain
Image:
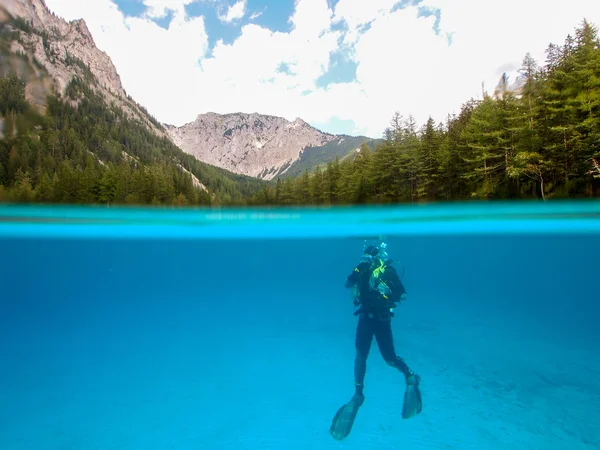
260 146
49 52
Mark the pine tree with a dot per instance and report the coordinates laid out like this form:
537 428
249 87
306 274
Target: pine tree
316 187
23 191
429 161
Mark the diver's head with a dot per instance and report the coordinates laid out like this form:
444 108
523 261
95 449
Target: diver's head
370 254
376 253
372 250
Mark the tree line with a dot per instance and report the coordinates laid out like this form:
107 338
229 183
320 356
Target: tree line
538 138
82 151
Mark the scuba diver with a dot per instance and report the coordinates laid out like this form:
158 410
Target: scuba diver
377 289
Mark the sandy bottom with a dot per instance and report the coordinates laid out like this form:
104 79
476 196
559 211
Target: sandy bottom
280 390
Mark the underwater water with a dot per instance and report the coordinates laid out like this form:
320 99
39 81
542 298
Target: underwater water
163 329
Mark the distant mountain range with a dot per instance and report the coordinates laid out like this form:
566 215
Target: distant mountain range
261 146
256 145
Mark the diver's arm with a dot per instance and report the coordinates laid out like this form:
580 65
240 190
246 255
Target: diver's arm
352 279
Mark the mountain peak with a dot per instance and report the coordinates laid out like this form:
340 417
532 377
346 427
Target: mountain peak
253 144
81 27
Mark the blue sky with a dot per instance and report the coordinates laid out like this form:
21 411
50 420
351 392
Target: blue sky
274 14
344 66
271 14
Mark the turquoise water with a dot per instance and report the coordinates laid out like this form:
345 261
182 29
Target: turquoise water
231 329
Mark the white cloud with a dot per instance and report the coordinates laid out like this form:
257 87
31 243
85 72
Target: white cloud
255 15
245 72
159 8
495 36
311 18
402 76
402 64
234 12
359 12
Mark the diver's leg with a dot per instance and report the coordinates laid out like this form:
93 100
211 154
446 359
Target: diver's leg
364 337
413 403
385 341
344 418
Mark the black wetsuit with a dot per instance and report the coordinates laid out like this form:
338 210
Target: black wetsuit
375 320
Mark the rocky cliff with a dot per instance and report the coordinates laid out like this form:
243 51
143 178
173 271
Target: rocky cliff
45 47
257 145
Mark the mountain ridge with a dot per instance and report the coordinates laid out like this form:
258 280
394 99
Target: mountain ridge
260 145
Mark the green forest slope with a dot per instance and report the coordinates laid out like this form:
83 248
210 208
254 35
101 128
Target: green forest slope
81 150
341 148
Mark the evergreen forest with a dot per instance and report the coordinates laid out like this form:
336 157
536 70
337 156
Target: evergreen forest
535 138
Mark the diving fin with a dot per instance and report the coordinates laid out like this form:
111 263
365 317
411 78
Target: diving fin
413 403
344 418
